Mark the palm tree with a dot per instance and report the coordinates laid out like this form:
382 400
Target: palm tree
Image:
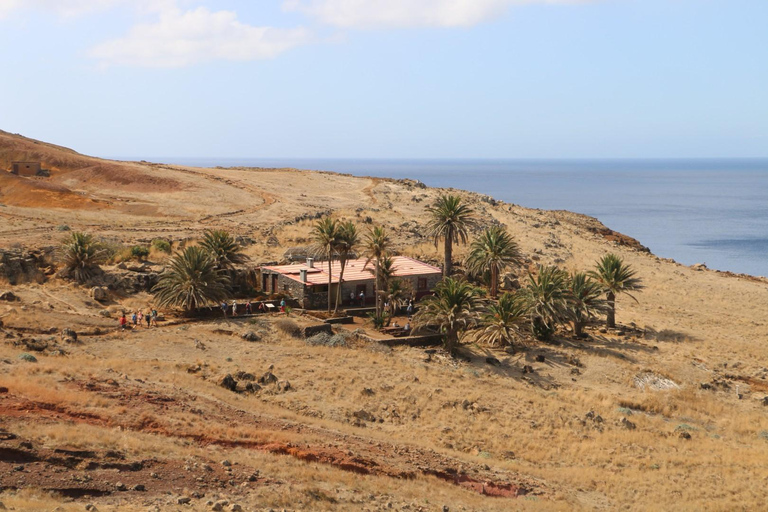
586 300
225 251
324 234
346 244
191 281
450 220
451 310
502 320
548 301
493 251
81 256
615 277
394 294
377 244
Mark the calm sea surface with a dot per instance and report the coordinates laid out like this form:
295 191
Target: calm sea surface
695 211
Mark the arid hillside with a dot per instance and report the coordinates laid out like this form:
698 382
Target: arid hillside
666 412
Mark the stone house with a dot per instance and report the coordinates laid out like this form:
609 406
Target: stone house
26 168
308 282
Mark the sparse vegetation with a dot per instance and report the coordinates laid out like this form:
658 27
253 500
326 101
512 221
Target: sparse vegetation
288 327
451 310
161 245
139 252
548 301
503 320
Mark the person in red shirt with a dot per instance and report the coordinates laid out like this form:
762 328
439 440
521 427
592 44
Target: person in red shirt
123 321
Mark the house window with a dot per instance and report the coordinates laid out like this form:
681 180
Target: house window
422 284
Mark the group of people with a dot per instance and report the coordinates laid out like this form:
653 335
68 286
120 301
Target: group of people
261 308
138 318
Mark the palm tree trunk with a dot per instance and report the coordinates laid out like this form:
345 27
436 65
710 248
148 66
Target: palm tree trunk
376 288
578 328
343 262
330 278
494 281
448 267
611 320
451 340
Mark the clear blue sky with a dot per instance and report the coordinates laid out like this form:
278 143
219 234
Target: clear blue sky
388 78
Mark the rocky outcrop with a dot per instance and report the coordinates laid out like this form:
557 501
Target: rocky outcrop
19 266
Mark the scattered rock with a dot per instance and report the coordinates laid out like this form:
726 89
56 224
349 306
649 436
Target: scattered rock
226 463
139 487
91 507
540 358
267 378
364 415
120 486
235 508
9 296
527 369
99 293
241 375
685 435
228 382
68 335
492 361
183 500
4 389
699 267
250 336
199 345
284 386
575 371
627 424
367 392
764 401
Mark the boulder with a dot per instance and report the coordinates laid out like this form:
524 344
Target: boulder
99 293
311 330
8 296
68 335
267 378
284 386
250 336
364 415
227 382
241 375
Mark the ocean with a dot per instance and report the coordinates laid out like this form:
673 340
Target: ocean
694 211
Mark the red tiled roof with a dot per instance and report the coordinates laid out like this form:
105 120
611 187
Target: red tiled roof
356 270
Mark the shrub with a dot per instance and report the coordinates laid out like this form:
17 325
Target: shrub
139 252
63 227
288 327
81 256
379 319
161 245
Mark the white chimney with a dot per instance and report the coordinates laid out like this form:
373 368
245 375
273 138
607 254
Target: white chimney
311 262
303 275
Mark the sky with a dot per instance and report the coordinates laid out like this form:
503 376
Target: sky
388 78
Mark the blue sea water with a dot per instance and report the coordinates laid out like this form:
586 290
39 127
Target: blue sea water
694 211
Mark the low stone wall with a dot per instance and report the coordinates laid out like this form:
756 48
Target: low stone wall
311 330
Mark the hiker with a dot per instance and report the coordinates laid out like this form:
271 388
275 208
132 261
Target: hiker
362 298
154 317
134 318
234 308
407 328
409 310
148 318
224 309
140 319
262 307
248 308
282 305
123 321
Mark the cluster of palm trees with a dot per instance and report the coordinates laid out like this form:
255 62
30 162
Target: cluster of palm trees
551 297
340 239
199 275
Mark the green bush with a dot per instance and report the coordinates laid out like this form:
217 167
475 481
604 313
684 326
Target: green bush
161 245
139 252
379 320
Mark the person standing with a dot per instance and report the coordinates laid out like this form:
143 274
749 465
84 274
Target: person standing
248 308
141 318
135 318
154 317
224 308
362 298
351 299
409 310
123 322
282 305
148 318
234 308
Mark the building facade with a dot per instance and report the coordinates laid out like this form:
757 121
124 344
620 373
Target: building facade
26 168
308 282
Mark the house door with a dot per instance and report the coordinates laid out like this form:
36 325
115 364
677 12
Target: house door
274 283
